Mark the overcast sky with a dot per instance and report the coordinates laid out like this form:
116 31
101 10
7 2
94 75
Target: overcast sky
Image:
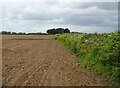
35 16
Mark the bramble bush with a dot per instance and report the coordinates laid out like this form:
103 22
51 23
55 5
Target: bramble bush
98 52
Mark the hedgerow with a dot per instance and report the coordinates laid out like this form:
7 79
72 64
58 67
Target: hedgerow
98 52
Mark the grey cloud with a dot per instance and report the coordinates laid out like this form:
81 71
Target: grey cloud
100 5
97 14
92 20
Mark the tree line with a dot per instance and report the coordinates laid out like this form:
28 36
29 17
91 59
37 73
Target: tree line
58 31
49 31
21 33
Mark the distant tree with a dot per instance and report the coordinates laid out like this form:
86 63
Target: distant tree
51 31
14 33
66 30
20 33
9 33
58 31
6 33
24 33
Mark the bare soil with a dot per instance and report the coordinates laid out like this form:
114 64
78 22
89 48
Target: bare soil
42 61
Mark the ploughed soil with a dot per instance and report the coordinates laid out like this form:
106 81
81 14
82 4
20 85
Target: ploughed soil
40 60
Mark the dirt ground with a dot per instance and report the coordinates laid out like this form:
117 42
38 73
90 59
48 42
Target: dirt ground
42 61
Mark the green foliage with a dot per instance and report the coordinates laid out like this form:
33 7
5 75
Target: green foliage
58 31
98 52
